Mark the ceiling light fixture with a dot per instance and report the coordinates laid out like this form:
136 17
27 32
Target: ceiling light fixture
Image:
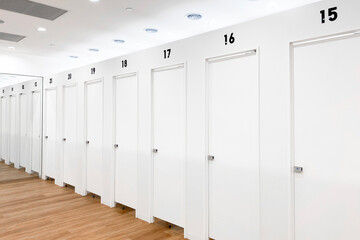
93 50
41 29
94 0
194 16
73 57
129 9
118 41
11 47
151 30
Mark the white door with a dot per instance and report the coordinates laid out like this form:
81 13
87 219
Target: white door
126 112
327 140
169 122
5 130
12 136
36 132
94 136
24 156
71 159
50 141
233 93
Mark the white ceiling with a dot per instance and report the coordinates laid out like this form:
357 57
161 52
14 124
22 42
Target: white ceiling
95 25
9 79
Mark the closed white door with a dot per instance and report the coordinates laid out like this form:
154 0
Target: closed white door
94 136
233 94
71 159
169 132
36 132
24 156
12 136
327 139
5 130
126 113
50 141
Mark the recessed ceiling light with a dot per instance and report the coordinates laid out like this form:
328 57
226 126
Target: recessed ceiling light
11 47
93 50
118 41
51 44
94 0
151 30
129 9
194 16
73 57
41 29
1 21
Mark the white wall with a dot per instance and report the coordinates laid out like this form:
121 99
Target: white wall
272 36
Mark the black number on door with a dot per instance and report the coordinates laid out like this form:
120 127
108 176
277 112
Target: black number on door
167 53
332 14
124 63
229 39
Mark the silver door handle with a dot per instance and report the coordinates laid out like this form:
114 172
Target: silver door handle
46 137
116 145
155 150
87 142
298 169
211 158
64 139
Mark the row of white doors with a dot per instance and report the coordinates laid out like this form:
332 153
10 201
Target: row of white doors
21 131
326 139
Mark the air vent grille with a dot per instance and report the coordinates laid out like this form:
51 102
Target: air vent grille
11 37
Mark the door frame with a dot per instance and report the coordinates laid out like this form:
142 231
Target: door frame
19 126
9 123
63 122
1 129
292 46
151 195
208 61
86 84
115 78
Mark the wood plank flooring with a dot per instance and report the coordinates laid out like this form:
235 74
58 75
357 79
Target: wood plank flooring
31 208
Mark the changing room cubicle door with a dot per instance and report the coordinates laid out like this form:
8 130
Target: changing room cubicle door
326 139
4 129
94 135
169 136
12 135
71 160
36 132
50 141
233 135
126 119
23 156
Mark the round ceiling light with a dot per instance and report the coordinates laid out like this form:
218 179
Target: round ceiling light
151 30
73 57
119 41
11 48
93 50
129 9
194 16
94 0
41 29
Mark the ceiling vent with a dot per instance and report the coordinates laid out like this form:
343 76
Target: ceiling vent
11 37
32 9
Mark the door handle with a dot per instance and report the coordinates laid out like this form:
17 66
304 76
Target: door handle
155 150
298 169
64 139
46 137
87 142
116 145
211 158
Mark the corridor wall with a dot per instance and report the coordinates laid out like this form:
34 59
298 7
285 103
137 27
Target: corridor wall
262 50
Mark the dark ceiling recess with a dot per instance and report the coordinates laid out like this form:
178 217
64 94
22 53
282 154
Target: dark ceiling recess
32 9
11 37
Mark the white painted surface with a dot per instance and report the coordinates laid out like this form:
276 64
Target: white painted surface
327 140
4 130
50 140
13 147
71 159
23 117
169 133
126 125
94 134
234 142
36 132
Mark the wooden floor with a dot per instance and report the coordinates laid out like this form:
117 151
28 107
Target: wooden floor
31 208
